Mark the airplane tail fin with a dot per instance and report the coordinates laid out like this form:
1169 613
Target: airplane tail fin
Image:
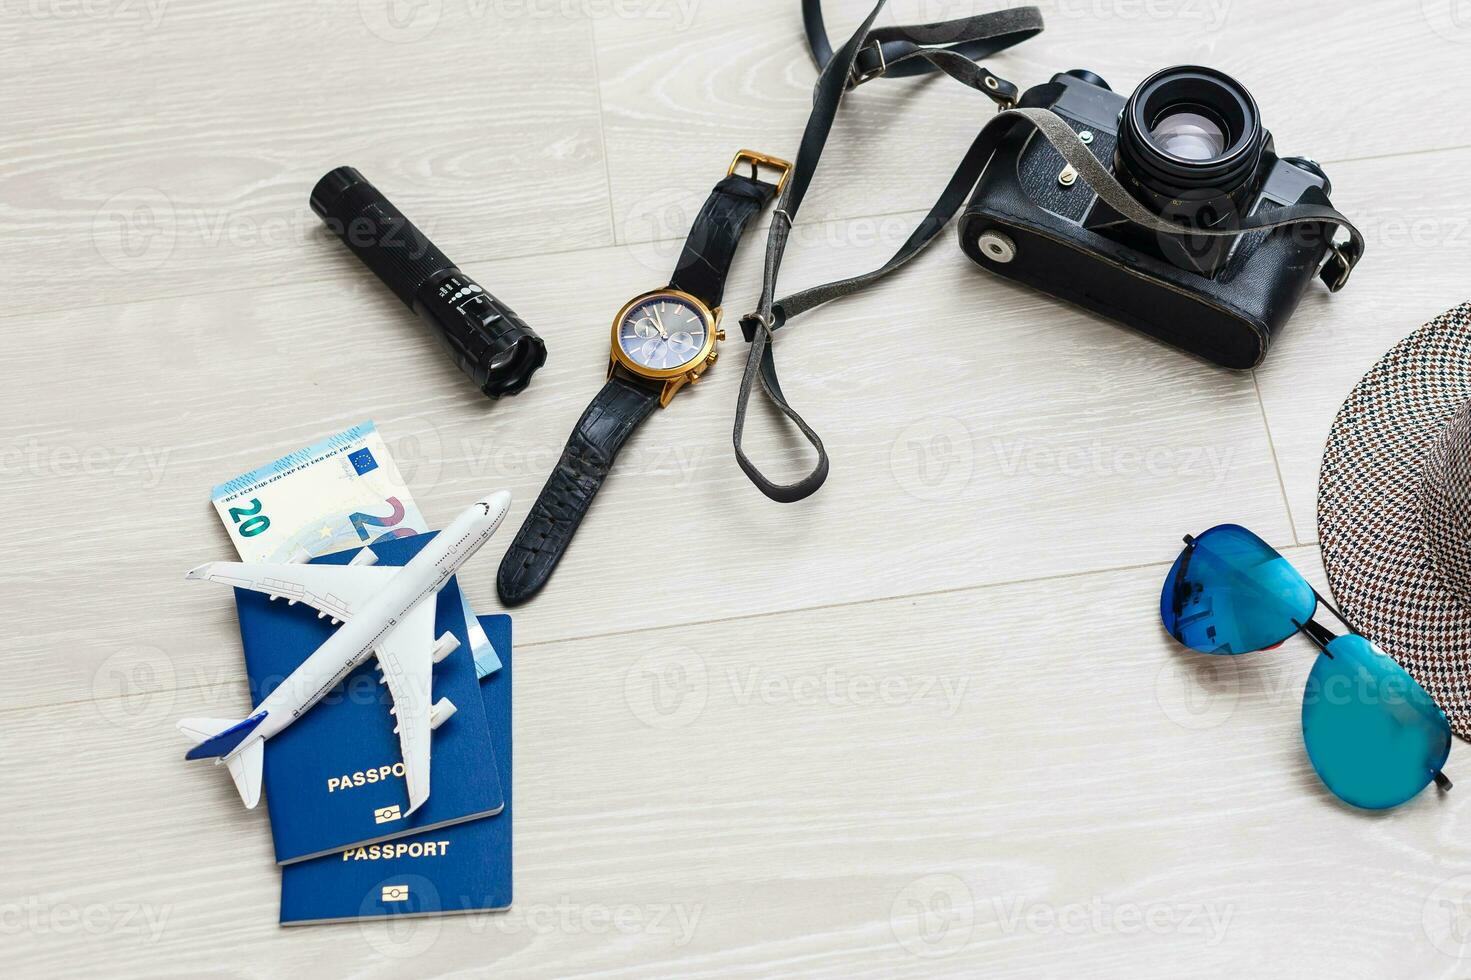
217 738
246 768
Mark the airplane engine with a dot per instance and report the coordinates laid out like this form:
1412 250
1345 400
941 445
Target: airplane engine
445 645
443 709
364 558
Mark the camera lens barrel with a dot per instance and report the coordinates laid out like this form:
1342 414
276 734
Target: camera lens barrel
488 341
1191 136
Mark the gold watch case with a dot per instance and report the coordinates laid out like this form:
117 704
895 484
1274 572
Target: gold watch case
672 379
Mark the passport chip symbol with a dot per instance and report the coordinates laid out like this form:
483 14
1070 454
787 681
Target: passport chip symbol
387 814
362 461
395 893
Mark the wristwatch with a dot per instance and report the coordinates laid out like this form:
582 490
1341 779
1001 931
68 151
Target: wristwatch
662 341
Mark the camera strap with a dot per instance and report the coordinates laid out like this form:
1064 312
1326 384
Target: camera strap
950 47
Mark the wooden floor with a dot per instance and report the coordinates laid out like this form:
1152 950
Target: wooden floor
925 723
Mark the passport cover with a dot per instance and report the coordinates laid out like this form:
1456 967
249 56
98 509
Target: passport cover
329 778
464 868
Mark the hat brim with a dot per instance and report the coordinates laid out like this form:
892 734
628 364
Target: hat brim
1370 513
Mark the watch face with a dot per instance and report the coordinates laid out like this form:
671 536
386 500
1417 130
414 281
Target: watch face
663 332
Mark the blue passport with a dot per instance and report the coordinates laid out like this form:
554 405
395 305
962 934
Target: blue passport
464 868
334 779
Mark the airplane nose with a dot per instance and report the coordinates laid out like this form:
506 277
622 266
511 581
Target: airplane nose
497 503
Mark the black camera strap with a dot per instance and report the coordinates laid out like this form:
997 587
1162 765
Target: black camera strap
950 47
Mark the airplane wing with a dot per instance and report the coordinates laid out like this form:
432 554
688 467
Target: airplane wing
332 590
406 657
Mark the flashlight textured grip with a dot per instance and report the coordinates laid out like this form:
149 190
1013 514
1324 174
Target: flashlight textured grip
488 341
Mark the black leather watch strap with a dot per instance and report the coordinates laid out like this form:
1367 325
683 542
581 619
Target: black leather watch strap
712 243
600 434
625 401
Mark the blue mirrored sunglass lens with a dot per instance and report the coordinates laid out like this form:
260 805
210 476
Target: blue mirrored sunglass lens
1374 736
1232 593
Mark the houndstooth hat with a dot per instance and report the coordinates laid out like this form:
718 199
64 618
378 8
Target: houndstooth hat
1394 509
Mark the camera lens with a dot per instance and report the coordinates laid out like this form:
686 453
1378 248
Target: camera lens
1189 133
1191 138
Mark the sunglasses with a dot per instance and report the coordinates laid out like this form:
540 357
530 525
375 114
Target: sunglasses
1374 736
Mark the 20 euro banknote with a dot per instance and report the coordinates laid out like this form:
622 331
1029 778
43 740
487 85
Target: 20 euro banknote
342 492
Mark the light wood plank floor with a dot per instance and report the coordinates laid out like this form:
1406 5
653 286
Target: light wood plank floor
927 721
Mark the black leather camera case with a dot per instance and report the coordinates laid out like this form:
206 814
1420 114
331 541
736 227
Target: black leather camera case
1229 316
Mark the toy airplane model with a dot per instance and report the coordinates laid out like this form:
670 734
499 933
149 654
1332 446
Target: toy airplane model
387 612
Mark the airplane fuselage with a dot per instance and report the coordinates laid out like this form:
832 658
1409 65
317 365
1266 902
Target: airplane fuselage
355 639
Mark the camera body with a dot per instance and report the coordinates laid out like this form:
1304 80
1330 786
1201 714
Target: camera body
1189 145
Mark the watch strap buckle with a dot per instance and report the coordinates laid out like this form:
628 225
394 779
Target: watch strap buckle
757 161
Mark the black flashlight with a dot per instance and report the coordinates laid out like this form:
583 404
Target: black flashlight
485 337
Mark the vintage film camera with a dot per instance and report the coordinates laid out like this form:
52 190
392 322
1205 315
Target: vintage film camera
1190 146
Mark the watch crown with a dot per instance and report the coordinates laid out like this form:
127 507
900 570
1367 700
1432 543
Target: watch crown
720 335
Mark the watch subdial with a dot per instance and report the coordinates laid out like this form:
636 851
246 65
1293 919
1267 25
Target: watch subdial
682 345
651 352
644 329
